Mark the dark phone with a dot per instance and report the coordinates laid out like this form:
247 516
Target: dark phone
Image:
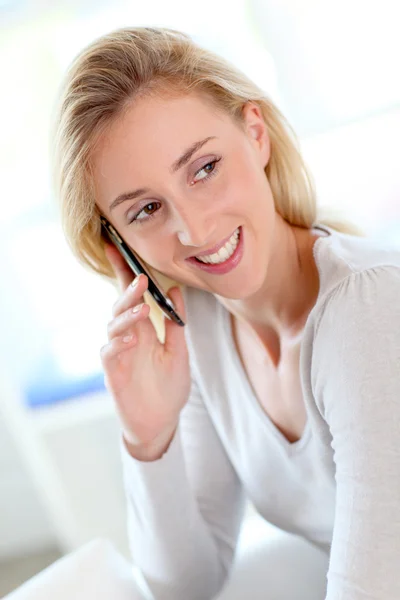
163 302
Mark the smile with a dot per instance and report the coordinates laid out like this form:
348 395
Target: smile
223 253
226 258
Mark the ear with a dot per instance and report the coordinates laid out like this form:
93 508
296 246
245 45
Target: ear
256 130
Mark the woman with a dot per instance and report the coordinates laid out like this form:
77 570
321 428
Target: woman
284 386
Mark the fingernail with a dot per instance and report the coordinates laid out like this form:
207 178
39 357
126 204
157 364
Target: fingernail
127 338
136 309
135 281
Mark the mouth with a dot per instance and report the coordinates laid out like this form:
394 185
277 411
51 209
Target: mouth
225 259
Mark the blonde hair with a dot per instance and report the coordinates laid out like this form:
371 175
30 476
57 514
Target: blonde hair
109 74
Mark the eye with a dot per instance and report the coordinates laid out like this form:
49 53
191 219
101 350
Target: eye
147 212
207 171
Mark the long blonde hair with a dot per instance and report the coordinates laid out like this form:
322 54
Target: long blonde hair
109 74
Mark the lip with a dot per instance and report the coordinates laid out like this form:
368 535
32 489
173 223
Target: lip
226 266
215 248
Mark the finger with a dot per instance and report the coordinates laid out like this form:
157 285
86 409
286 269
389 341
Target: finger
120 267
131 296
174 334
111 351
125 322
141 326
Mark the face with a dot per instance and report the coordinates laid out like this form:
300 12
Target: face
178 179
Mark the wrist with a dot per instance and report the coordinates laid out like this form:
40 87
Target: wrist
153 450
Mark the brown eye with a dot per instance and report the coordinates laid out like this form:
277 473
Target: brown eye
205 171
146 212
150 208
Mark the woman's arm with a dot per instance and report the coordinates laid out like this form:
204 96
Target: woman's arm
357 385
185 510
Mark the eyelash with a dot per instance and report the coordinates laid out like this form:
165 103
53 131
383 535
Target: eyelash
214 162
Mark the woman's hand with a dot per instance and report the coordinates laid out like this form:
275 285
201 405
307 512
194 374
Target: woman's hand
150 381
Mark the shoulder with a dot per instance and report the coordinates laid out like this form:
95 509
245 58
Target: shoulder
355 350
352 335
346 261
364 298
356 275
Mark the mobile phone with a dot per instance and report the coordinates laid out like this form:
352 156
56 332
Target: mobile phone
162 301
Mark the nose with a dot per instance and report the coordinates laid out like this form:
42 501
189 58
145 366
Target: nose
187 238
197 232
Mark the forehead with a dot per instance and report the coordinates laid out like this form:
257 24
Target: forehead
160 114
155 130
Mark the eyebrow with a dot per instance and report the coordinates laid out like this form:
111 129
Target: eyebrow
187 155
128 196
178 164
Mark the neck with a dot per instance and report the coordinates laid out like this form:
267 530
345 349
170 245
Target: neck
277 312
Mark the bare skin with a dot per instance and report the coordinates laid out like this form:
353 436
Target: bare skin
221 187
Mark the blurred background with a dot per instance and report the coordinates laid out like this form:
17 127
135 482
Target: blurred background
332 67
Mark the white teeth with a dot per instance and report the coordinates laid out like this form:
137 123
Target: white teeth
223 253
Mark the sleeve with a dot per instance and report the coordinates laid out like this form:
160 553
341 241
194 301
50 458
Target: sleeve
357 345
185 510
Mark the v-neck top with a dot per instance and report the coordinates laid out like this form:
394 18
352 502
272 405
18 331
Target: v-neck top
337 486
271 429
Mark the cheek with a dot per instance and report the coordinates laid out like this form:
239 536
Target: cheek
155 250
247 167
250 187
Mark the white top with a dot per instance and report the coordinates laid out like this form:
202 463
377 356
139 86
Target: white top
338 486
